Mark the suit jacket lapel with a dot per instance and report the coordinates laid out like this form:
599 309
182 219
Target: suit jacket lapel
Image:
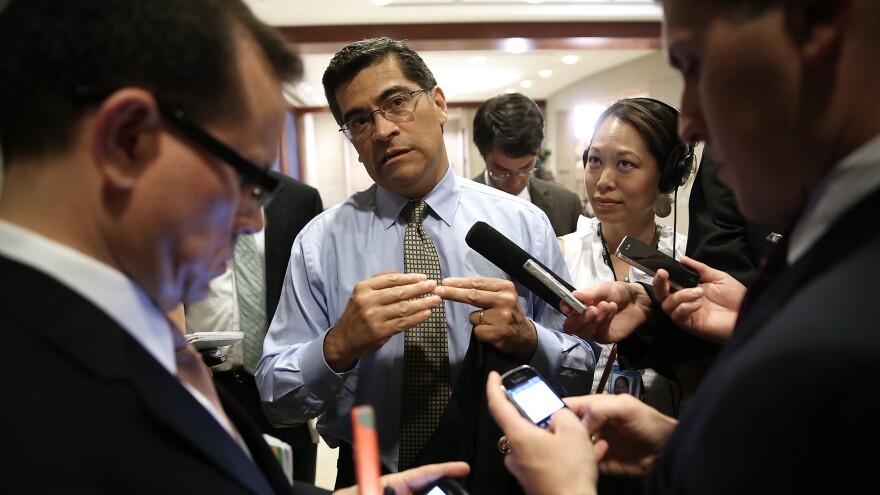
111 354
856 227
540 196
174 406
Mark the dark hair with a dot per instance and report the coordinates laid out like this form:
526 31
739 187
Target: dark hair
657 124
512 122
181 51
350 60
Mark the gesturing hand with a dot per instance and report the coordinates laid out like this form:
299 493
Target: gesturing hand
501 322
378 308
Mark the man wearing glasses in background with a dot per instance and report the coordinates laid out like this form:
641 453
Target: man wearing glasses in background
125 187
339 334
509 131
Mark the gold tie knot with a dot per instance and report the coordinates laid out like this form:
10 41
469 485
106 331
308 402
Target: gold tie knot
416 210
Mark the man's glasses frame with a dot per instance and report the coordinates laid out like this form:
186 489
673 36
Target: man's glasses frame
254 180
391 114
509 173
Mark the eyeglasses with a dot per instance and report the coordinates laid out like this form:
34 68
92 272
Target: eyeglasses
396 109
506 174
254 180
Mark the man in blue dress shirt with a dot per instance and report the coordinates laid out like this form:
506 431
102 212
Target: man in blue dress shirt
337 338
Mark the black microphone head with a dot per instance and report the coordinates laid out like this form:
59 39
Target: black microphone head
495 247
506 255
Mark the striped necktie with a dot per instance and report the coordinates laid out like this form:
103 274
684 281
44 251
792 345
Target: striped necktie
426 389
250 285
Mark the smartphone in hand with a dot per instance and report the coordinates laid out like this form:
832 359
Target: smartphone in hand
531 395
444 486
649 260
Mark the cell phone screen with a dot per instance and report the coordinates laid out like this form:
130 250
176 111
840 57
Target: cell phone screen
535 398
444 486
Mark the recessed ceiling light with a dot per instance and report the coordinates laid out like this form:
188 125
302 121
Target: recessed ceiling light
570 59
516 45
526 83
477 60
534 1
545 73
510 91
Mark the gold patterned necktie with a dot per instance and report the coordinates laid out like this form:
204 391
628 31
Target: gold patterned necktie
426 389
250 286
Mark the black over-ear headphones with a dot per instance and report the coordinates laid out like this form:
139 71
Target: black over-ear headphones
679 162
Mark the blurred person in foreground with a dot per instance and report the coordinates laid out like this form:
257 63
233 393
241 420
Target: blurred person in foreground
125 187
778 413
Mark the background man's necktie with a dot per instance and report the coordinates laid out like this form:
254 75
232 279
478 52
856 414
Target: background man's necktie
250 285
426 387
192 371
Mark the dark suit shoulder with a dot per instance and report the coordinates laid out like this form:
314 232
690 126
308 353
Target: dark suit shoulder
562 206
87 392
480 178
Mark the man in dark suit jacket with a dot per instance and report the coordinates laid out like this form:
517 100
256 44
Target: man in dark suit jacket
785 409
292 207
125 187
508 131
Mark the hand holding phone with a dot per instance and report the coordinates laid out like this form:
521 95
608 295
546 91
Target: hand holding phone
649 260
531 395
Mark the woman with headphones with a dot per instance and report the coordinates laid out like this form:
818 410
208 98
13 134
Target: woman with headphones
634 162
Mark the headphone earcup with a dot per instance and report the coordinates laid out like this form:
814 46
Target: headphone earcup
677 169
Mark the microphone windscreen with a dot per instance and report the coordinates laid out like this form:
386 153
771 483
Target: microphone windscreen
510 258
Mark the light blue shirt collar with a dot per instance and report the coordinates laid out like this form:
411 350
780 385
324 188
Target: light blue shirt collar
443 200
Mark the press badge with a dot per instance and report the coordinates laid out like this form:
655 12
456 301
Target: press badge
625 382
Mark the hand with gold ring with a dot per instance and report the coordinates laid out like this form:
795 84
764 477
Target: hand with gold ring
557 460
499 318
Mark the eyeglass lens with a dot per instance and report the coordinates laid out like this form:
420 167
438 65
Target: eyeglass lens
395 109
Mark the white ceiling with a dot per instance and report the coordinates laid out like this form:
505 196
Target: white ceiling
461 79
